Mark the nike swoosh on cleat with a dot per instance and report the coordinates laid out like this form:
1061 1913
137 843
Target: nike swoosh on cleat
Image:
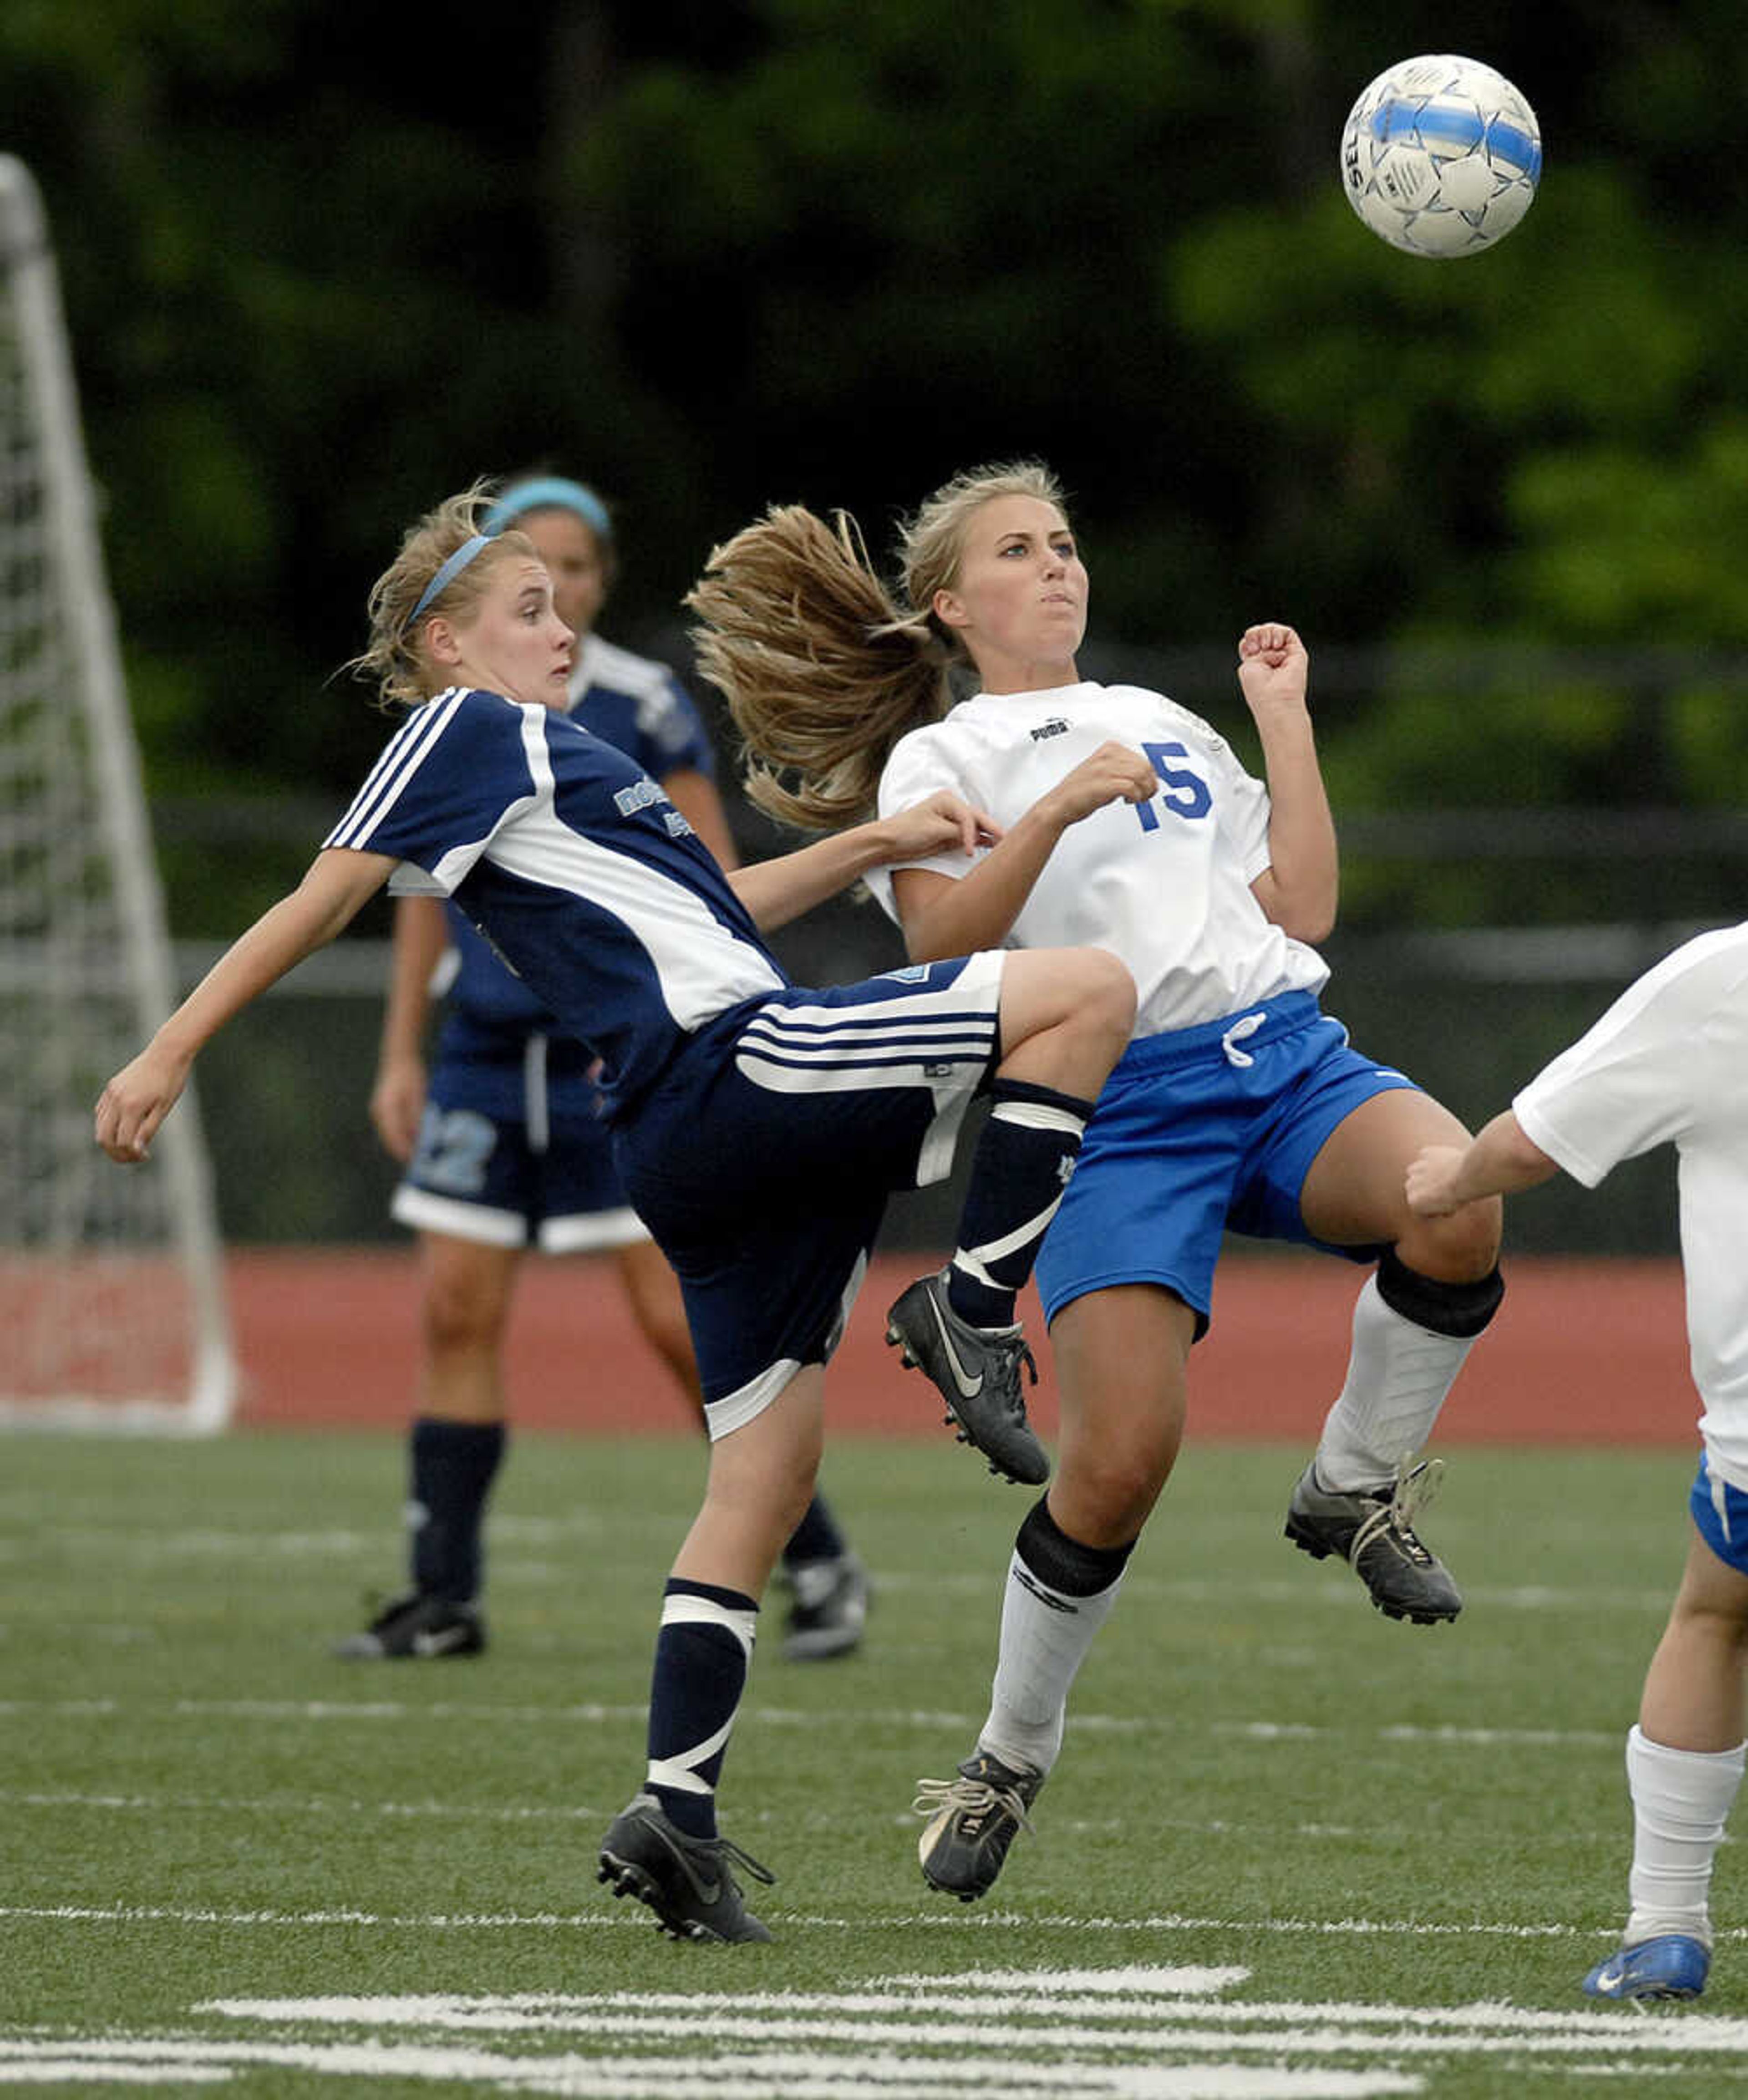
968 1387
439 1643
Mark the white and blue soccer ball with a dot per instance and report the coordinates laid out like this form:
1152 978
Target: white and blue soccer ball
1442 156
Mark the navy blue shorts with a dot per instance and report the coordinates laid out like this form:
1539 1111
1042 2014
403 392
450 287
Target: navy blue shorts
763 1160
1198 1132
512 1151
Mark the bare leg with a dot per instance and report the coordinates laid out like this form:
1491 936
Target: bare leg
468 1292
653 1292
1693 1697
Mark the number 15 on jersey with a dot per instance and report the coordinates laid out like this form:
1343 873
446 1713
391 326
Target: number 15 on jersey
1183 793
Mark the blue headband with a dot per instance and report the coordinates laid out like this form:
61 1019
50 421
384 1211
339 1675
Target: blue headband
447 575
549 492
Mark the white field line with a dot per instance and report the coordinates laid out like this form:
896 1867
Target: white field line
143 1547
447 1811
944 2027
589 1714
756 2077
1158 1996
1001 1921
586 1814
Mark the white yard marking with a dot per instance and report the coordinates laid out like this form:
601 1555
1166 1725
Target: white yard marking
758 2075
1125 2032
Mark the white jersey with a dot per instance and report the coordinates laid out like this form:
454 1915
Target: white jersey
1164 884
1668 1063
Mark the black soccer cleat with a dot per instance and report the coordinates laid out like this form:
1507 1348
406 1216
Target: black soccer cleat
972 1820
977 1372
1373 1531
830 1610
416 1628
684 1880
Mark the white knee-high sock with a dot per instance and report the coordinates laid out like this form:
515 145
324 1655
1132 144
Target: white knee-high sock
1398 1374
1681 1801
1045 1634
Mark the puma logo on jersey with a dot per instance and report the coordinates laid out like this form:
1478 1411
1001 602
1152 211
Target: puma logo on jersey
1055 726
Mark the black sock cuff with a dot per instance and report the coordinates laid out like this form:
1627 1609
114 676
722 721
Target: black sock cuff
1460 1310
1063 1563
475 1436
1046 1097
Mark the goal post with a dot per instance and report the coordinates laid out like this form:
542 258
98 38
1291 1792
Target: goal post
112 1308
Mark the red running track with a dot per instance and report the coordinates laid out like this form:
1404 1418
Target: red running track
1582 1352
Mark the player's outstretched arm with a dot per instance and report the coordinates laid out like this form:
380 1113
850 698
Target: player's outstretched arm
136 1101
941 916
776 891
1442 1178
397 1094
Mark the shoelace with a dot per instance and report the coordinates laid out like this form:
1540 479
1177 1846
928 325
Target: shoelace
1415 1487
1013 1352
974 1797
725 1849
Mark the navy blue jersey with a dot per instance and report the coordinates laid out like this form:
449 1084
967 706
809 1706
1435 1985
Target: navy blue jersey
575 866
638 705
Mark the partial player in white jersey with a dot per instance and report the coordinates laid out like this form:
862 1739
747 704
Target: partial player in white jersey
758 1126
505 1147
1666 1065
1127 822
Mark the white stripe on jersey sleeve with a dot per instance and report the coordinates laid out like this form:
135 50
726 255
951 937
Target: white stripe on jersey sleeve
388 777
455 863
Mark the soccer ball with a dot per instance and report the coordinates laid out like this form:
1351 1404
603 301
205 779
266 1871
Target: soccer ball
1440 156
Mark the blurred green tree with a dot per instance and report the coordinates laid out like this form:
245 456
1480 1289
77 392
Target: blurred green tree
325 262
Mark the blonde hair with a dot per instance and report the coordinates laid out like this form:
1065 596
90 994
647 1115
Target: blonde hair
395 660
823 668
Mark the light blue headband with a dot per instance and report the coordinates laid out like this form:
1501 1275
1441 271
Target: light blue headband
447 573
549 492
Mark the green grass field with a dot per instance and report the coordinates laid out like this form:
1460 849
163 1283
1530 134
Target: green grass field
1292 1849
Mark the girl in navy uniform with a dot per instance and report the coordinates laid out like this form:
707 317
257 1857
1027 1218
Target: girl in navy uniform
505 1147
758 1126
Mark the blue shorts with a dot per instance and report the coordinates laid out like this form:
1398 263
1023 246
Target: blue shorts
763 1160
1721 1516
1198 1132
512 1151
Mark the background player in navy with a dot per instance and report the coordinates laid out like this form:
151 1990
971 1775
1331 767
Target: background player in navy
758 1126
506 1148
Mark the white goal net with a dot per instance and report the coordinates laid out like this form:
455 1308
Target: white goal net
111 1303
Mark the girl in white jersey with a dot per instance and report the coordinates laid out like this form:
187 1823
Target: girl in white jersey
1127 822
1664 1066
758 1126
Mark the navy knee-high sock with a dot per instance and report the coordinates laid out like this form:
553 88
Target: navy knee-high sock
453 1467
1024 1157
702 1653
